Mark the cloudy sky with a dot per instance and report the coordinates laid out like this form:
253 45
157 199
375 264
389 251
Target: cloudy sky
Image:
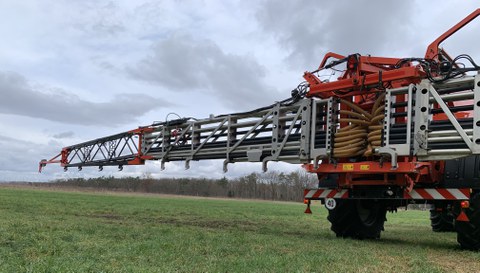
71 71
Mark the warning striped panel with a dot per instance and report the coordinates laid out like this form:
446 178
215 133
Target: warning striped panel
438 194
418 194
325 193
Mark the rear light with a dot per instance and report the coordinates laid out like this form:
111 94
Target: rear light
465 204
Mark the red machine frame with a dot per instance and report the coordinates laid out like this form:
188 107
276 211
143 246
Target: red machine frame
364 76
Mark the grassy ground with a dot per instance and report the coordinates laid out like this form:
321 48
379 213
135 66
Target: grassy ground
45 231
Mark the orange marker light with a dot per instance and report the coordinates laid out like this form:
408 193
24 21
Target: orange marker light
465 204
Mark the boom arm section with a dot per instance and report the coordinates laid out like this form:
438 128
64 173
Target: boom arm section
115 150
280 132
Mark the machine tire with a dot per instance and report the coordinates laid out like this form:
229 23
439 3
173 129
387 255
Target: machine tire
442 221
359 219
468 233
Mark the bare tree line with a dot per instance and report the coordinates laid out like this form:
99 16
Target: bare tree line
268 186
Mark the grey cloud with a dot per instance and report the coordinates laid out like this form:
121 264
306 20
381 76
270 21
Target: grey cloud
99 19
18 97
22 156
68 134
182 63
311 29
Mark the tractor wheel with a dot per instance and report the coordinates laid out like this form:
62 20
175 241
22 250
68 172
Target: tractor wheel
359 219
442 221
468 233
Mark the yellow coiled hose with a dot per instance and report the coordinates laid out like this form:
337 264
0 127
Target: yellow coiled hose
364 132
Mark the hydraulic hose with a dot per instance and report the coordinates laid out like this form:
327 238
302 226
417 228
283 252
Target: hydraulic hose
356 108
376 124
363 132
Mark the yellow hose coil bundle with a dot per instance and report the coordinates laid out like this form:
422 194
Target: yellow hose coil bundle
376 125
364 132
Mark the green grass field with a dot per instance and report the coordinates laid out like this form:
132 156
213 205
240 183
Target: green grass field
48 231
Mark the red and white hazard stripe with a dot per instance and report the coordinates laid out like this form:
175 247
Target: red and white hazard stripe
417 194
438 194
325 193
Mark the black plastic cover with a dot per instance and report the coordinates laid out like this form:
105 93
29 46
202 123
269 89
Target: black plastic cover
462 172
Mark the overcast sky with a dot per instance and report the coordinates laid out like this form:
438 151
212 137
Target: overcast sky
71 71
